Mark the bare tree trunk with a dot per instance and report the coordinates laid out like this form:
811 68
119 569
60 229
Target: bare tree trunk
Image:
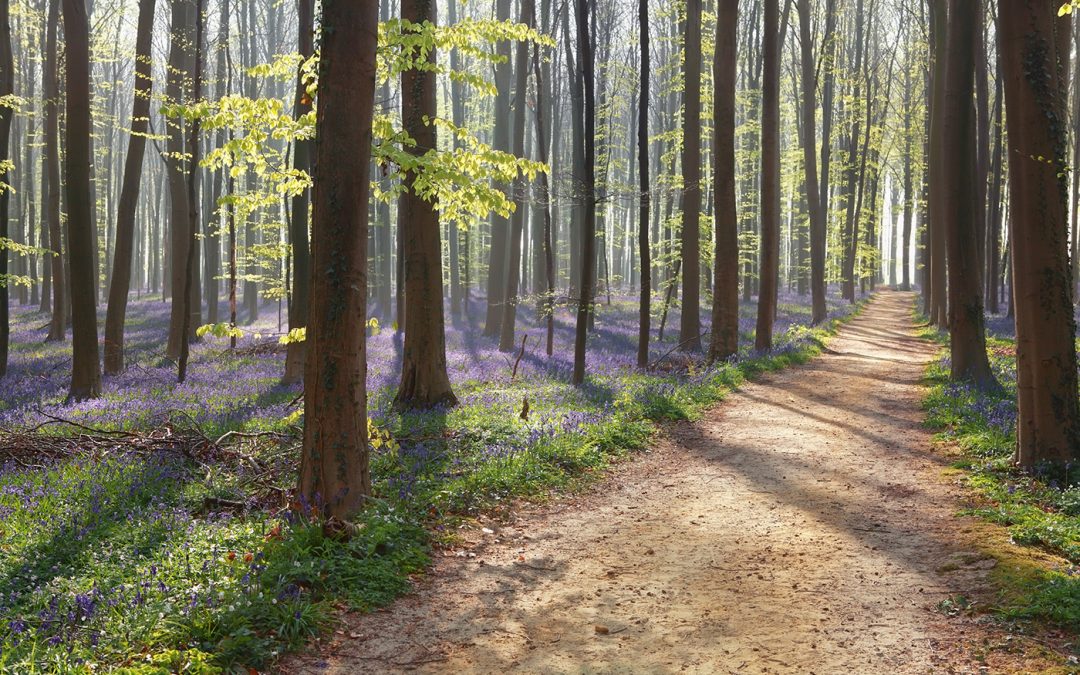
724 340
517 221
588 188
7 88
690 253
129 194
191 265
770 177
177 91
813 196
645 300
298 221
497 266
1048 421
85 366
938 279
58 323
334 472
424 380
548 304
993 234
959 200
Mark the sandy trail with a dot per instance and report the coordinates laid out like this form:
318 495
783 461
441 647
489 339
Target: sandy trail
800 526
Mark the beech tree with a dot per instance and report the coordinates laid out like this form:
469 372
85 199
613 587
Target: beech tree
770 176
960 206
298 217
725 313
424 381
58 322
85 366
588 186
690 241
644 255
116 312
334 472
7 88
1048 421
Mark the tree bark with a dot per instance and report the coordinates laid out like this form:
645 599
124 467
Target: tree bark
690 252
724 341
85 367
644 254
770 177
424 381
7 88
818 232
1048 421
129 193
298 220
58 323
334 472
517 220
500 234
588 187
959 200
938 278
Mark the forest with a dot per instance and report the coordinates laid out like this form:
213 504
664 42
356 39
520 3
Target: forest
539 336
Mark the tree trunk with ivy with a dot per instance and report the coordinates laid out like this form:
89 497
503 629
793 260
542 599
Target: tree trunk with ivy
1048 421
334 472
424 380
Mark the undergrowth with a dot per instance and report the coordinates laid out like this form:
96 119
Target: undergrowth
1040 509
156 563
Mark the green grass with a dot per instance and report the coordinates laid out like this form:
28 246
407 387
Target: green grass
120 560
1039 509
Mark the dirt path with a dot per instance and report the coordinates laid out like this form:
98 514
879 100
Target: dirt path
801 526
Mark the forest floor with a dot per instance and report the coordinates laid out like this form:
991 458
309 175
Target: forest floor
806 524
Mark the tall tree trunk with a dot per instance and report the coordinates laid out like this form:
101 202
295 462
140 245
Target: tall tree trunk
85 366
1048 421
424 381
588 188
724 340
457 103
517 221
993 221
58 323
690 254
542 126
298 221
129 193
7 88
191 265
959 200
853 176
909 185
982 142
644 254
177 91
813 195
938 281
770 177
334 472
500 227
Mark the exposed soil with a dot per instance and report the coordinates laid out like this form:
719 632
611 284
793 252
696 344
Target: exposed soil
803 525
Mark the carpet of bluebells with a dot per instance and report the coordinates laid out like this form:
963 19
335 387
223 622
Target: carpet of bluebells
121 560
1040 508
